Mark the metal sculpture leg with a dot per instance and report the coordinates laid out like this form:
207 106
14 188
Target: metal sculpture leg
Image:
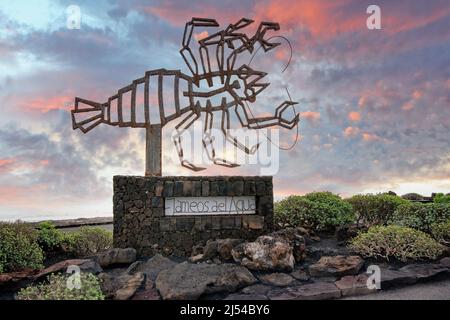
208 144
181 128
225 126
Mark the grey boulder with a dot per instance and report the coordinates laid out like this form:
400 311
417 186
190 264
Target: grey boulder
153 266
119 285
188 281
336 266
116 256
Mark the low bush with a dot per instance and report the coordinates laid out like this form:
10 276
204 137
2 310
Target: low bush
49 238
397 242
87 241
374 209
441 232
18 247
293 211
441 198
57 288
320 211
421 215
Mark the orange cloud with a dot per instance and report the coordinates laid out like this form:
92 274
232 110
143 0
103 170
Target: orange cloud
417 94
351 131
4 162
201 35
382 95
408 106
369 137
411 104
311 115
282 54
362 101
354 116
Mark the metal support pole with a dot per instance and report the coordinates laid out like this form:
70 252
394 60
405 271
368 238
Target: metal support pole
153 150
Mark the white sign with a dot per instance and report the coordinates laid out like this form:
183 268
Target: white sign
181 206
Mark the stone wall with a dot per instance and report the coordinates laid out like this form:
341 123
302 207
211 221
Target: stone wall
139 219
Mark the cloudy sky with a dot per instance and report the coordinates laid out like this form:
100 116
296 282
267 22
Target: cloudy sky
375 104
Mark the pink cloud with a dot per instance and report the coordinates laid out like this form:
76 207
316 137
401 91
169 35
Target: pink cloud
5 165
322 18
44 104
11 164
312 116
21 195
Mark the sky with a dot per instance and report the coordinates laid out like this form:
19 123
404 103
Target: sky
374 104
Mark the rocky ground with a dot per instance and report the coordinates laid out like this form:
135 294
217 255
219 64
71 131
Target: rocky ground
434 290
290 264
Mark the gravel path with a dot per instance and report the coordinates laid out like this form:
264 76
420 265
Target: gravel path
423 291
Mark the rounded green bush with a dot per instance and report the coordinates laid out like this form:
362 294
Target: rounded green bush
374 209
49 238
57 288
402 243
441 198
320 211
87 241
18 247
421 215
441 232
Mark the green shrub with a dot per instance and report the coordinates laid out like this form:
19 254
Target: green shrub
18 247
293 211
49 238
373 209
56 288
421 215
87 241
319 211
397 242
441 232
441 198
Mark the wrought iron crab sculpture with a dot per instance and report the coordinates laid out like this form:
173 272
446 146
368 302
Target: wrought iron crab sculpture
189 105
